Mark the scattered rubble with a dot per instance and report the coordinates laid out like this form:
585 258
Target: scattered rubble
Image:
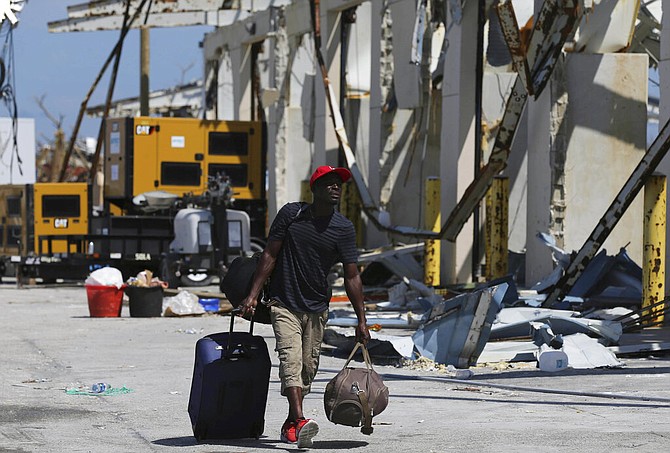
493 324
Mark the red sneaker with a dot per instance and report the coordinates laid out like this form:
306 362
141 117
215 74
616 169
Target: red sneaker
288 432
306 429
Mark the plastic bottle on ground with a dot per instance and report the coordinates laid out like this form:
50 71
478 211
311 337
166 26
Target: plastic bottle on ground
100 387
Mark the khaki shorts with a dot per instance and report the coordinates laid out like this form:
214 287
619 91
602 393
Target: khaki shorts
299 337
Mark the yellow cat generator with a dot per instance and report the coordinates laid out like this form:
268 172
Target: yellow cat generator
170 184
180 155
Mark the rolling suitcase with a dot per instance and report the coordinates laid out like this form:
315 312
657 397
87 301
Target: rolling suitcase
229 391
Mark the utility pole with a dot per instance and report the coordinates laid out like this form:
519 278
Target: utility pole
144 70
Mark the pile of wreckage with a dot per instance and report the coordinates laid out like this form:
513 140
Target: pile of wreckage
495 322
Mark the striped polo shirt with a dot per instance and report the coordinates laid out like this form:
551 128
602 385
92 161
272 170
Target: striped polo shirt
311 246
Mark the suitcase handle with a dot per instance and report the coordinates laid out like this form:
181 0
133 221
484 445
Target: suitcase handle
233 314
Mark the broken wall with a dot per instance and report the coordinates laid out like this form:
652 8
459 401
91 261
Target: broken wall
393 125
606 138
403 129
587 132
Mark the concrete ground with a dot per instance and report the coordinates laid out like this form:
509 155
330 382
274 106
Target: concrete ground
50 343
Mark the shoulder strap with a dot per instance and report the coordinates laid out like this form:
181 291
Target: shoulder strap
300 210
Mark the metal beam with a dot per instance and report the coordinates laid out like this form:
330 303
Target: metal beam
116 7
181 19
108 14
555 23
510 30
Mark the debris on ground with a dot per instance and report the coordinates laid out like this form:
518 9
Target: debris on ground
457 329
493 322
183 304
88 391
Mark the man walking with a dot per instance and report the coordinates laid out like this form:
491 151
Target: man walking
304 242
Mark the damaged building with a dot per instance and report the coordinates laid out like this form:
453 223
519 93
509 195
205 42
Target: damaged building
507 143
551 95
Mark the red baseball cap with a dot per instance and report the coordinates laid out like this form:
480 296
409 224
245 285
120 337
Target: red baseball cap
323 170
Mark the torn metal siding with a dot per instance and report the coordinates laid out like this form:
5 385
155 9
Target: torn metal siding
534 61
647 36
457 329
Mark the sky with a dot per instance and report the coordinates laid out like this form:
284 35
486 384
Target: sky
63 66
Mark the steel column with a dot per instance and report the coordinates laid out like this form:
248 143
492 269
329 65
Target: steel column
497 201
432 220
653 270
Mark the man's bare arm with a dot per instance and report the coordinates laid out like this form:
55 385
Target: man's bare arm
354 287
266 265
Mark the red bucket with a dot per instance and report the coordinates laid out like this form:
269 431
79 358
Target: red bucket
104 301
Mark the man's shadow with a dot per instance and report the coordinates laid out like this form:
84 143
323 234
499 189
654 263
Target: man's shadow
263 442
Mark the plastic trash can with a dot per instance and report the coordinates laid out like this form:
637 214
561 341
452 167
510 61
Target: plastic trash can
104 301
145 302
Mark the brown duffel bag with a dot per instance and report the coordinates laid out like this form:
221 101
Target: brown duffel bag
355 395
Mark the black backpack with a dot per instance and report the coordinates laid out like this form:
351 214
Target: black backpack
236 284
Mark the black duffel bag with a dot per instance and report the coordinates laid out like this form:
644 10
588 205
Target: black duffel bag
236 285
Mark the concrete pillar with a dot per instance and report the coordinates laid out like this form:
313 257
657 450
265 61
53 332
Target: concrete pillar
605 140
244 92
291 117
458 138
538 256
325 141
589 120
373 237
225 100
